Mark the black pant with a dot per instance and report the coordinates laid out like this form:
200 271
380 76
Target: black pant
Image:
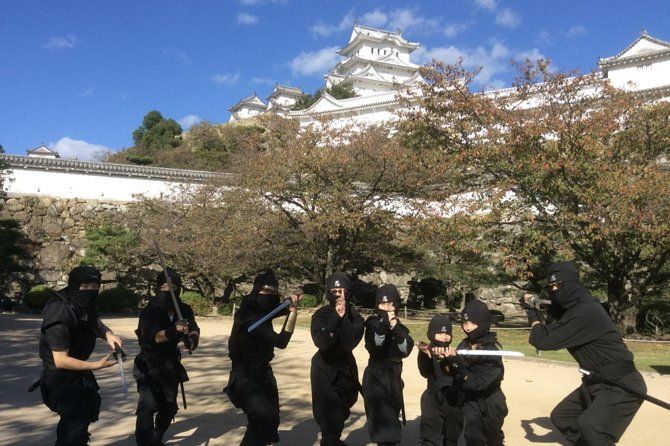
441 419
253 389
598 414
334 392
73 396
483 419
381 384
152 402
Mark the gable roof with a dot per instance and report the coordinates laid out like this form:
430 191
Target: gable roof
43 150
366 34
644 46
252 101
285 90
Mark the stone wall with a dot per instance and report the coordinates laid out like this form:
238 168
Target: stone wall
58 228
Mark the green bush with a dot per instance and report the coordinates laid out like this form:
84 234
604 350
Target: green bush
201 305
225 309
114 300
309 301
37 297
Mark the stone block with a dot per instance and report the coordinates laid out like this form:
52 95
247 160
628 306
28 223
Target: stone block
14 205
54 254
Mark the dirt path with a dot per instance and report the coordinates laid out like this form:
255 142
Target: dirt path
532 389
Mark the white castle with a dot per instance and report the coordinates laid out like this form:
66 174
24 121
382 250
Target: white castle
376 64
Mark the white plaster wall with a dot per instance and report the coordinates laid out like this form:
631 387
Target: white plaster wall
86 186
644 75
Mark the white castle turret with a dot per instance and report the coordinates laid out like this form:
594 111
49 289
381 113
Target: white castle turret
375 61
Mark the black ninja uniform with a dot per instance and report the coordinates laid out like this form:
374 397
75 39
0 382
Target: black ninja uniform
71 322
484 406
334 374
595 413
158 369
382 381
441 417
252 386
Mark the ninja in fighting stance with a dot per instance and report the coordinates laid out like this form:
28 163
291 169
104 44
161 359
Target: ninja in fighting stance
484 406
252 386
388 342
336 329
596 413
441 417
70 326
158 369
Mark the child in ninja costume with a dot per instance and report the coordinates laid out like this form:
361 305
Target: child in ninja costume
336 329
252 386
441 416
388 342
70 327
484 406
158 369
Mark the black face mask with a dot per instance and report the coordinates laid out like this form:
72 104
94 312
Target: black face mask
477 333
164 300
267 302
440 344
84 298
333 297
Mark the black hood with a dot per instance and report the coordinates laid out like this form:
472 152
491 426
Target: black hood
83 274
572 290
476 311
440 323
338 280
175 279
388 294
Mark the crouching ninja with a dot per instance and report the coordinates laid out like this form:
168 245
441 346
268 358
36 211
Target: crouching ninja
69 329
158 369
484 406
251 385
336 329
441 417
596 413
388 342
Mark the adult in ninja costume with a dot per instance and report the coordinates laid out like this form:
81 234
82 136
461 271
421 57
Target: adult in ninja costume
70 327
158 369
596 413
388 342
484 404
251 385
441 417
336 329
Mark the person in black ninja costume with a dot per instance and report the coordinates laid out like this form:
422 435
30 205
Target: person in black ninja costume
336 329
252 386
441 417
70 327
596 413
158 369
388 342
484 405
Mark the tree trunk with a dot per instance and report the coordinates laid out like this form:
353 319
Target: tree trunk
623 305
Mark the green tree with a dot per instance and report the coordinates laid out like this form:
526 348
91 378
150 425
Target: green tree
568 165
17 255
340 91
154 135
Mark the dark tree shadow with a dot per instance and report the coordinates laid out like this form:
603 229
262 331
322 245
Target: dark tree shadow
553 436
662 369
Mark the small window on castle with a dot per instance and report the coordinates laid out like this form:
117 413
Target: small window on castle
643 67
385 52
372 50
397 54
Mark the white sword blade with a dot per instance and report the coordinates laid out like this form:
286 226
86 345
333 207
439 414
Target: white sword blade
279 307
490 353
124 383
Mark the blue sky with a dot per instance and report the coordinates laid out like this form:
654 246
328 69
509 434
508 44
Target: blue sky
80 75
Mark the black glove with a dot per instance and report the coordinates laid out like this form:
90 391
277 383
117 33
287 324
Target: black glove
172 333
456 364
383 317
193 339
534 315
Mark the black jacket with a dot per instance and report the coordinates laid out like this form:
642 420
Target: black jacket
483 374
385 343
336 337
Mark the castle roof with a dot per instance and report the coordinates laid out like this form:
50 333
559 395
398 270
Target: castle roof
252 101
643 48
362 34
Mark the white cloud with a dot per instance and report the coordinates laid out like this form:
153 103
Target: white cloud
180 56
225 78
189 121
86 93
374 18
487 4
77 149
494 60
574 31
307 63
244 18
508 18
262 81
454 29
406 19
62 42
325 30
